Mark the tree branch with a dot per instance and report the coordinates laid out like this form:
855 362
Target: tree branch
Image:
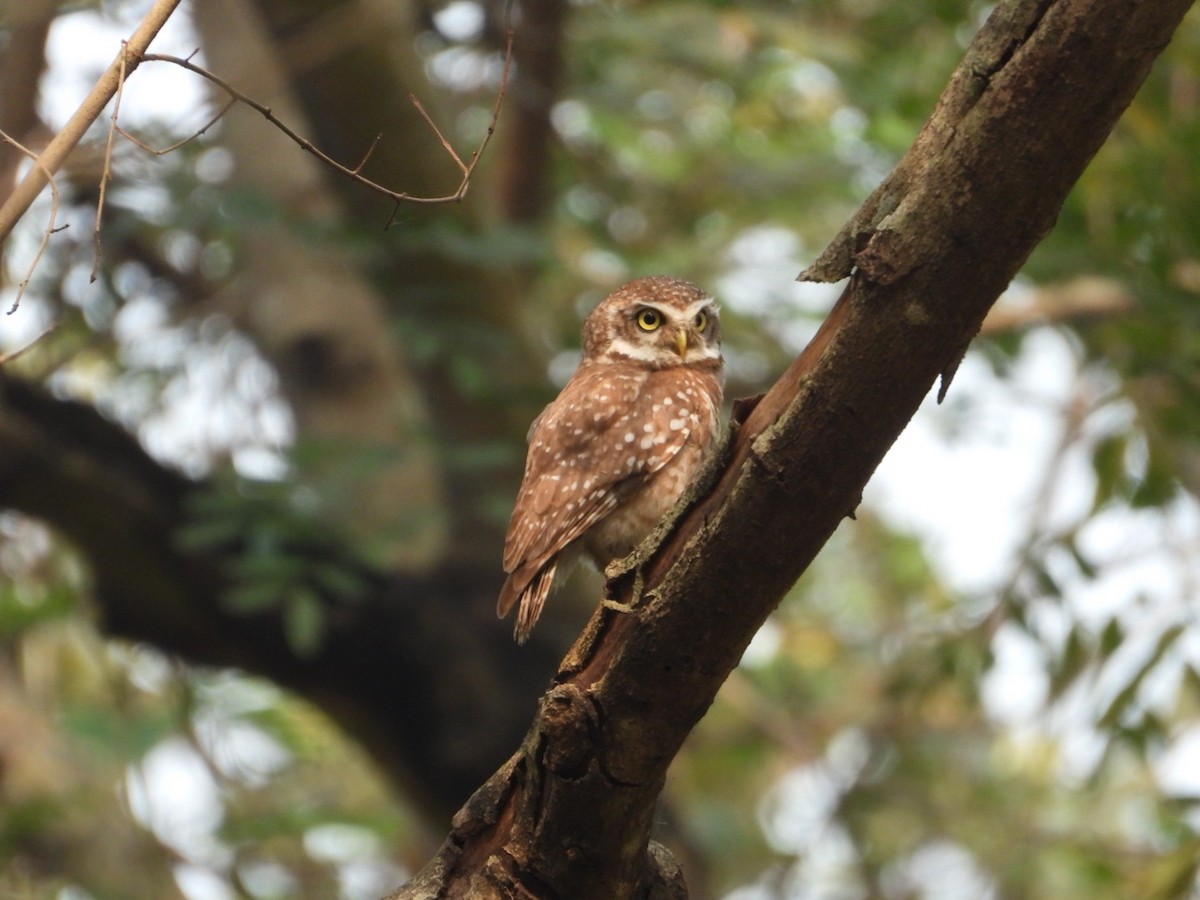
1038 91
51 159
466 169
380 671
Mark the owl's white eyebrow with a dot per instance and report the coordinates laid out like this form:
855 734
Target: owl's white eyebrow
622 347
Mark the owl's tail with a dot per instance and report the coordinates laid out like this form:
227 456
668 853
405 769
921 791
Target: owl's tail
530 600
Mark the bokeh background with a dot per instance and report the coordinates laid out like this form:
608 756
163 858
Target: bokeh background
986 686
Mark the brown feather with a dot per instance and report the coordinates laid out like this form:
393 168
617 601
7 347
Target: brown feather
532 601
636 406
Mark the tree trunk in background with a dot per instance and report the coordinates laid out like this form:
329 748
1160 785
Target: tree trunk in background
21 67
302 295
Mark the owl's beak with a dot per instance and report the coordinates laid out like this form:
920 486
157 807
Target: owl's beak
681 342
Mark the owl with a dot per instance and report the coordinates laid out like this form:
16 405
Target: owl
612 454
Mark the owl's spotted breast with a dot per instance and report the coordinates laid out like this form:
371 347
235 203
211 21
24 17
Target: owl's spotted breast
684 416
618 446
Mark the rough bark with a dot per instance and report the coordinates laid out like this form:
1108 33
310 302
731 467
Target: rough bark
569 815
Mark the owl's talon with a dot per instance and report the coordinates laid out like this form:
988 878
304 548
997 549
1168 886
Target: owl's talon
622 566
617 606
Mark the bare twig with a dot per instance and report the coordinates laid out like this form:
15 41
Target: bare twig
438 133
49 230
466 168
112 83
6 358
51 159
362 162
106 172
171 148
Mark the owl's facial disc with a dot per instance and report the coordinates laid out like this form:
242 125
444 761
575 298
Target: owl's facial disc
659 331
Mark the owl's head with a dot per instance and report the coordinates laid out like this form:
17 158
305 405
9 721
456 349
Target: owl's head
658 322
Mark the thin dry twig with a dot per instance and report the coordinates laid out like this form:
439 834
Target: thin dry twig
6 358
106 172
52 157
466 169
133 53
362 162
49 230
171 148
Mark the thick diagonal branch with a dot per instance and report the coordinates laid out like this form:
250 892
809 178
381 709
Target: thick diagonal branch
1039 90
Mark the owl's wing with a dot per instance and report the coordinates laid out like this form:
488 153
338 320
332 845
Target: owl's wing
596 443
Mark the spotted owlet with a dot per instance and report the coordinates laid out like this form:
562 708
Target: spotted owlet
611 455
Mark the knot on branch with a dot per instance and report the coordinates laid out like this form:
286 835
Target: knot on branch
569 725
887 257
664 876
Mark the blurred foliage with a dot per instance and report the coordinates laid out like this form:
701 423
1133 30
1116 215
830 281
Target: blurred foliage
890 733
285 558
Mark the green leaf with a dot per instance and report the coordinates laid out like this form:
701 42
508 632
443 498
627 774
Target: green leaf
1174 875
254 596
304 622
209 532
341 581
1045 580
1086 567
1111 637
1073 660
1121 703
1108 462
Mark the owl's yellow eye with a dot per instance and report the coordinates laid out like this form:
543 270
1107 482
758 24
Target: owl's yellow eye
649 319
701 320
